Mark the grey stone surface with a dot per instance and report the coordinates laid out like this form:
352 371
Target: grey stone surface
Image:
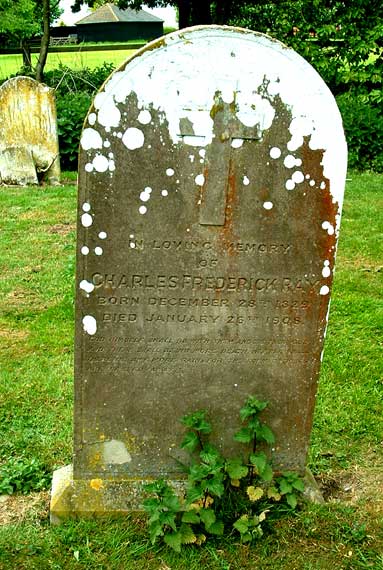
210 186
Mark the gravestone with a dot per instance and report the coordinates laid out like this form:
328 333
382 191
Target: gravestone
28 133
211 176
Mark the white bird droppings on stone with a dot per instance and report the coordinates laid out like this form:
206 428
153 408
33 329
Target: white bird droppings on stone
100 163
86 286
106 144
86 220
326 272
142 209
170 171
98 250
245 181
294 143
289 161
133 138
85 250
90 325
144 196
324 290
298 177
89 167
275 152
237 143
90 138
102 235
267 205
144 117
199 179
164 192
92 118
86 206
312 182
290 184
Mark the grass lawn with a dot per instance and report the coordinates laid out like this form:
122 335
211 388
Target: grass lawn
36 382
11 63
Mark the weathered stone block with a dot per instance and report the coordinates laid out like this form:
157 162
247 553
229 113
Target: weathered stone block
211 178
28 133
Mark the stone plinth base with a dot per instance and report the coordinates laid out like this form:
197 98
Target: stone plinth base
86 498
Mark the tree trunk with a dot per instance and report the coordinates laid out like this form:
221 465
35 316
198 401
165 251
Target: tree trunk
44 42
201 13
184 13
222 11
26 52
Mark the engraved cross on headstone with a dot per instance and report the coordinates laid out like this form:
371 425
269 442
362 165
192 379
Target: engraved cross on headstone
228 133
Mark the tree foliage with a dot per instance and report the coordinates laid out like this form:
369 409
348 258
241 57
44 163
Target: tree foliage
342 40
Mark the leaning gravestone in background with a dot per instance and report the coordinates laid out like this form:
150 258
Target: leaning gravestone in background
212 169
28 133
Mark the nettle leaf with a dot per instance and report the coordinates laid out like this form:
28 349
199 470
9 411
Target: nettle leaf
207 517
299 485
190 441
214 486
211 455
264 433
155 530
174 540
242 524
191 517
151 505
172 503
200 539
197 421
216 528
244 435
252 407
272 493
259 460
254 493
198 472
168 519
284 486
187 534
267 473
158 487
291 500
236 469
194 493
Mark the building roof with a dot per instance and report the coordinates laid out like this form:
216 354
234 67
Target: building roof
111 13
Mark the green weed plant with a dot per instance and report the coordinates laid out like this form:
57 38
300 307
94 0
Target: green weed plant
222 495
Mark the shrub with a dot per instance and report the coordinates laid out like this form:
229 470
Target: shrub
71 111
66 80
363 123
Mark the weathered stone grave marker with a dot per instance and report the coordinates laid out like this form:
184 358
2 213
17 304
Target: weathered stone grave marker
211 179
28 133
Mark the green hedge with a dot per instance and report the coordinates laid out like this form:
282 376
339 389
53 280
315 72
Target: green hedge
361 107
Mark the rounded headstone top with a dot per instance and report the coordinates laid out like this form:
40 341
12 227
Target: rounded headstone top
180 75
